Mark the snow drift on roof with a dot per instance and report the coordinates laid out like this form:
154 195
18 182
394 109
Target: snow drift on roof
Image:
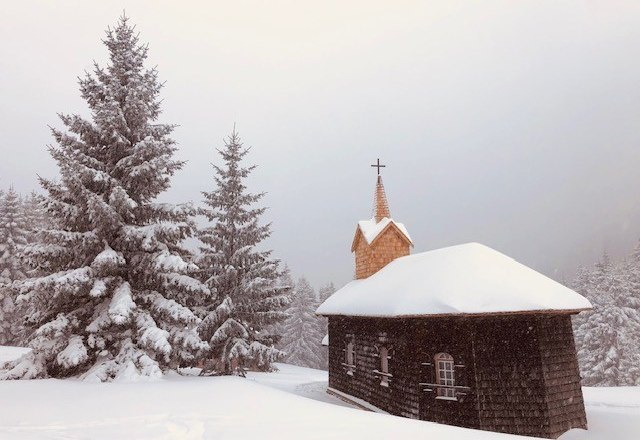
371 229
464 279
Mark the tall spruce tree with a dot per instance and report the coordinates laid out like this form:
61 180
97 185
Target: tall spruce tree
114 299
302 335
245 278
13 238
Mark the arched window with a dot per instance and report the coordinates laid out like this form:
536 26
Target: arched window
445 375
350 356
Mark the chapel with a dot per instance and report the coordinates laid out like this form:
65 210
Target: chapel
463 335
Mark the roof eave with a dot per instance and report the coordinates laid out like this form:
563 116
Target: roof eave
354 243
465 315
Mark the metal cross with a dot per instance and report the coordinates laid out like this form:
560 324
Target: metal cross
378 166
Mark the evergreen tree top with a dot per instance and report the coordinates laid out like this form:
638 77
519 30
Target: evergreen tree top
115 286
121 152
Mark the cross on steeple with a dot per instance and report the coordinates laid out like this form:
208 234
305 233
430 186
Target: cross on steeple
380 205
378 166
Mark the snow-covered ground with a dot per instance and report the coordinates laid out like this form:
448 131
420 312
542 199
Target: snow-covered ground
289 404
612 414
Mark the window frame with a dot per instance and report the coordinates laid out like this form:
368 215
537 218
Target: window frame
445 376
349 361
384 353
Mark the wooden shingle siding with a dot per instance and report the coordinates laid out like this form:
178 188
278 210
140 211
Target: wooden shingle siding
401 396
561 375
446 335
510 385
387 247
521 371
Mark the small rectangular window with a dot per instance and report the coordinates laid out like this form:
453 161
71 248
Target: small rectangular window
384 366
350 357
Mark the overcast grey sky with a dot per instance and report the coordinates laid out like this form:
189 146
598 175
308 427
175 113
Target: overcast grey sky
515 124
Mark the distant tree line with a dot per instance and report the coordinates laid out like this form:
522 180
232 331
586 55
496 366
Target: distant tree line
608 338
303 331
20 220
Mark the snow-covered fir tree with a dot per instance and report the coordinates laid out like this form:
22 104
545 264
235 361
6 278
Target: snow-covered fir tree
608 338
13 238
246 279
35 215
633 272
325 292
115 293
302 334
31 219
285 282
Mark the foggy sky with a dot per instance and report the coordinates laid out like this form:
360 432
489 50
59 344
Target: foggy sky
514 124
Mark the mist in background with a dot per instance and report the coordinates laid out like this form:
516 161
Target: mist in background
514 124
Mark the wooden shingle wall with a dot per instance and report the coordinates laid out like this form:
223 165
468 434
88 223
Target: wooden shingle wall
561 375
510 386
386 248
401 396
521 371
451 336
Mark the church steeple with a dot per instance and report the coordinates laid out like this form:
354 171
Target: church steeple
380 240
381 204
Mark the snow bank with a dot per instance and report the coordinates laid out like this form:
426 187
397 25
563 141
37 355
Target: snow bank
195 408
465 279
612 413
613 397
264 406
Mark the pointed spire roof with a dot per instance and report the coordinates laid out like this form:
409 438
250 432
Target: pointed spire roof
381 220
381 205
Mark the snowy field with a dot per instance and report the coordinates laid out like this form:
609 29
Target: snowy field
289 404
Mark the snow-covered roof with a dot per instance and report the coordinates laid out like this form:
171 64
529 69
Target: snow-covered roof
371 229
459 280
